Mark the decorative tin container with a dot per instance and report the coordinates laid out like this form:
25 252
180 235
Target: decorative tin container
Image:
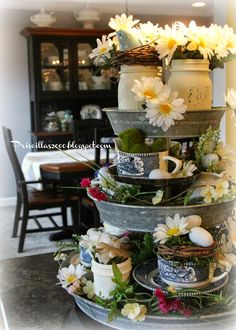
195 123
146 218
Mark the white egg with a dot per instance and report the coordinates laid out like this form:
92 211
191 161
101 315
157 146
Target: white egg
159 174
193 221
200 237
208 160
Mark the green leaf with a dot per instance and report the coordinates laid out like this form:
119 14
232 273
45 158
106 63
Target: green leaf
117 274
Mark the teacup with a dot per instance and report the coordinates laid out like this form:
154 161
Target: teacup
141 164
187 274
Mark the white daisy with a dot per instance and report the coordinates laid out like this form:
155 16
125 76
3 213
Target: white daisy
93 236
173 227
122 22
200 39
188 169
148 32
225 40
164 113
101 52
150 88
169 40
68 275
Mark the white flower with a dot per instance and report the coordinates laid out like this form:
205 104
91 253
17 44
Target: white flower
148 32
164 113
209 194
122 22
221 188
150 88
200 39
93 237
173 227
230 99
134 311
68 275
225 40
101 52
231 228
187 170
60 256
169 40
157 199
88 288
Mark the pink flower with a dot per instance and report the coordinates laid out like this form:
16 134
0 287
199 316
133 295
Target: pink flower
97 194
85 182
167 305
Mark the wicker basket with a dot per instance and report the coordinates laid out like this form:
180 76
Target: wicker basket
142 55
185 252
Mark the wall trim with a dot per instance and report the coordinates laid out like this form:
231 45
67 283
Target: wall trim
7 201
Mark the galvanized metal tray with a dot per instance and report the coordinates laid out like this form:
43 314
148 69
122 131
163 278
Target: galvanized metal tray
146 218
216 321
194 124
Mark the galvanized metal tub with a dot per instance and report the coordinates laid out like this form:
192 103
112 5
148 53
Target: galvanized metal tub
194 124
166 322
146 218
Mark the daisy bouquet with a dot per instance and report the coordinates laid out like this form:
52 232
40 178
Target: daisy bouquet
214 43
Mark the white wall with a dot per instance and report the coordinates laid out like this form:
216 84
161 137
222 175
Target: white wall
14 92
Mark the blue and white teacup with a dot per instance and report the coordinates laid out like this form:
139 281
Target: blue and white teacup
186 274
85 257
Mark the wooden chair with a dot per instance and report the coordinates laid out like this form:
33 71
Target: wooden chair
30 199
84 129
104 138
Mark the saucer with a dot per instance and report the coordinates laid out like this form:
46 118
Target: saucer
147 275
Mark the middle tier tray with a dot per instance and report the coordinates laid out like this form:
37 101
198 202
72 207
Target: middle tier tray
194 124
146 218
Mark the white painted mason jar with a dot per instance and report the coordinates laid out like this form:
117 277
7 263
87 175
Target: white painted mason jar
129 73
103 274
191 79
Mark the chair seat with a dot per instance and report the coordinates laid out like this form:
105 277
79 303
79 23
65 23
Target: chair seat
44 198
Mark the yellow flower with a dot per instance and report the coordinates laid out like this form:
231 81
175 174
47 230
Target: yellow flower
209 194
134 311
157 199
222 187
122 22
171 289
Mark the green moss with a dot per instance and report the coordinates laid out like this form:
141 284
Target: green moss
140 148
158 145
129 138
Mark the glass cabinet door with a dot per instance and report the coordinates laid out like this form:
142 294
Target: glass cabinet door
55 71
90 77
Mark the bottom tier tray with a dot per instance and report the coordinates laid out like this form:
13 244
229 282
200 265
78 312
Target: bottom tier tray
209 321
145 219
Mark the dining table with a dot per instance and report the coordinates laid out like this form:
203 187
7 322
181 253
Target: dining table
63 169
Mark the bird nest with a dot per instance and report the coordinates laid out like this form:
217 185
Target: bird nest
142 55
185 251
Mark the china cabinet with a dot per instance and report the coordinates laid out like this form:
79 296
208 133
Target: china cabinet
62 82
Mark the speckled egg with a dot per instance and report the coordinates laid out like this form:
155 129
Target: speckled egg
159 174
200 237
208 160
193 221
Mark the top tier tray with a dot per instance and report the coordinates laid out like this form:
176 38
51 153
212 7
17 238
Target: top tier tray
194 124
